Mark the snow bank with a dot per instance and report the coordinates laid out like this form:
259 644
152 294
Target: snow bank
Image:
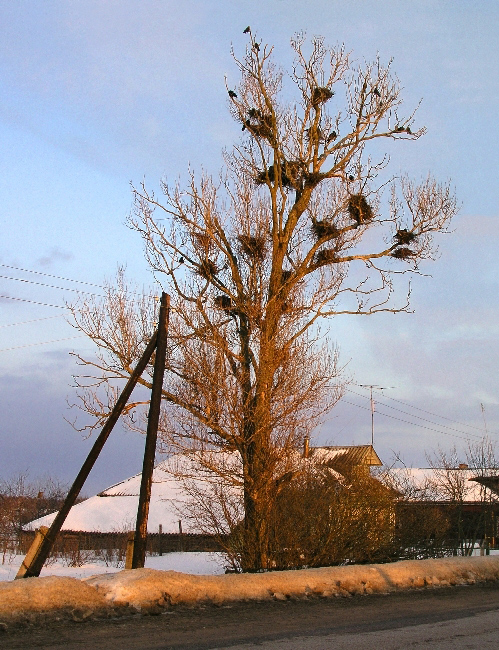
24 600
146 588
150 590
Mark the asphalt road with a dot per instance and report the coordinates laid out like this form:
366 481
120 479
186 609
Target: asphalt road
457 618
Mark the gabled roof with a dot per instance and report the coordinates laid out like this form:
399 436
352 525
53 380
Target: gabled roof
352 455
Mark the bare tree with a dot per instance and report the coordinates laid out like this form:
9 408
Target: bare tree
470 503
302 225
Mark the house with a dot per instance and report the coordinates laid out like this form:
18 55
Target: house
114 509
459 505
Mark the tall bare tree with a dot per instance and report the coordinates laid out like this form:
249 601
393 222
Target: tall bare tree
302 225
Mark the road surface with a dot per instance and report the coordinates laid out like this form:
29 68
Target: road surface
454 618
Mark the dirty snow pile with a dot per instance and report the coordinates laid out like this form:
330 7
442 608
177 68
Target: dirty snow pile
150 590
145 588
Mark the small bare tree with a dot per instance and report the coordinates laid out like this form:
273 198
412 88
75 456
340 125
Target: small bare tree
302 225
470 503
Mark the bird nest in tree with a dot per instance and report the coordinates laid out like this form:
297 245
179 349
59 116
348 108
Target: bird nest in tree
313 178
324 229
327 256
207 269
270 175
320 95
223 302
259 124
403 253
252 246
202 240
359 209
293 171
404 236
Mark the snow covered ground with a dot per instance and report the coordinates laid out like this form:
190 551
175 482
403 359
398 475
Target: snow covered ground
208 564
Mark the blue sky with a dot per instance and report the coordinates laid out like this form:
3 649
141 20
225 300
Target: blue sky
96 94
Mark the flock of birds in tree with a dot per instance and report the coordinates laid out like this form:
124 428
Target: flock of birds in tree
260 125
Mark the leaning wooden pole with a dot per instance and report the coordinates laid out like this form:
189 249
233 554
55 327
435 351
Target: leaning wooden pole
139 547
46 545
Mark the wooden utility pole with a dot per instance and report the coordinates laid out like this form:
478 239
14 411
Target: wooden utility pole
44 548
139 548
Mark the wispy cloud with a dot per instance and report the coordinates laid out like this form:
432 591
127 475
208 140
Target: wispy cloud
54 255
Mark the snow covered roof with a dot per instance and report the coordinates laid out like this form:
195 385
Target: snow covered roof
448 484
115 508
351 455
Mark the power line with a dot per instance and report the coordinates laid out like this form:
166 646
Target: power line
35 320
34 302
415 424
463 424
50 286
29 345
59 277
49 275
471 426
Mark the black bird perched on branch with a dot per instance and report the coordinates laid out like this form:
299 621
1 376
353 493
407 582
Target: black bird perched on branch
232 94
376 92
256 47
247 30
351 178
332 136
181 260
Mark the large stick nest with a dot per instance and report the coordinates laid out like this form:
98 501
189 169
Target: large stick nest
404 236
207 269
359 209
259 124
324 229
320 95
270 174
403 253
327 256
252 246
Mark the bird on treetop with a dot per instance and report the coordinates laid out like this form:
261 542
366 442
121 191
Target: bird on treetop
232 94
247 30
256 47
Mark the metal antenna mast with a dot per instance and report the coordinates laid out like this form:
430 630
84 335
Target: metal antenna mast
371 386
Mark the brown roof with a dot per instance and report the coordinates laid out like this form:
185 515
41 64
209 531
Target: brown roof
350 455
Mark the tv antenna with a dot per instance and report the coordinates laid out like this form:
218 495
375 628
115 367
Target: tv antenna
373 405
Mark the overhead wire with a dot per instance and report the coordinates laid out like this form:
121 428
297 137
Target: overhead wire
29 345
34 302
50 286
34 320
472 426
418 417
466 436
50 275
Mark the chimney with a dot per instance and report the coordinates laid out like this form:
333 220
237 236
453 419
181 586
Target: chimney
306 446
